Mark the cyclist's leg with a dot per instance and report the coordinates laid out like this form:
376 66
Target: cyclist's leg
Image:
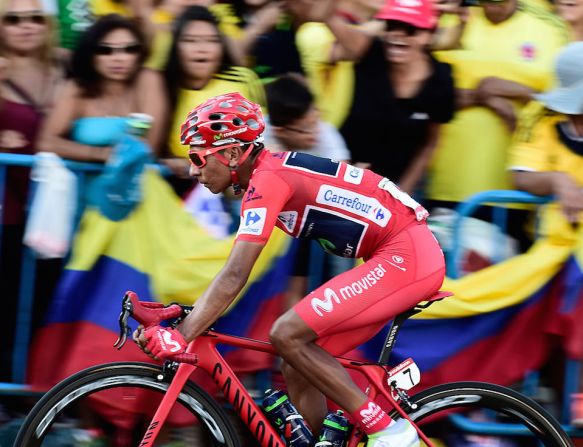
405 271
308 399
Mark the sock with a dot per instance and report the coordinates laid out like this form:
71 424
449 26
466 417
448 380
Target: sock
371 417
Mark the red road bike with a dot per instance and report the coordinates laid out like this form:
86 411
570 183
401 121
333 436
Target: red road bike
171 383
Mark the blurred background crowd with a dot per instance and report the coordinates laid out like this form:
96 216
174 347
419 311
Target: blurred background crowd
448 98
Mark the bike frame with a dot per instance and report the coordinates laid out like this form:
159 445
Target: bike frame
206 357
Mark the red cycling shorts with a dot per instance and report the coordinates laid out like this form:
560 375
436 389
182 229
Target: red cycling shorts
352 307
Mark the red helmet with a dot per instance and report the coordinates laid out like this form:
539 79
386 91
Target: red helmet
222 120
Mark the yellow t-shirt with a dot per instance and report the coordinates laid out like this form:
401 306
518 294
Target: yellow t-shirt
229 23
473 150
537 147
332 84
104 7
236 79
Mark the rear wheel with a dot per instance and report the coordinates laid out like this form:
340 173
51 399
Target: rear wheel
112 405
520 414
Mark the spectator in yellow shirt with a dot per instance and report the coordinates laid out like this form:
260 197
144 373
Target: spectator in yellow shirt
547 158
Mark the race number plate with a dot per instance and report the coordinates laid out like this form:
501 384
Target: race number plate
406 375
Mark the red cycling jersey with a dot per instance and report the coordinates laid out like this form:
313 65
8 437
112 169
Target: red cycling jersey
350 211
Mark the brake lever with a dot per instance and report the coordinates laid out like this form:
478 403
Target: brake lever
124 329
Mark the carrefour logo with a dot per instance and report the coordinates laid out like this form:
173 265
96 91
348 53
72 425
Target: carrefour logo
253 221
359 204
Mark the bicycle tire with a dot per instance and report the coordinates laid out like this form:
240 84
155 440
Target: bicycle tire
113 375
479 395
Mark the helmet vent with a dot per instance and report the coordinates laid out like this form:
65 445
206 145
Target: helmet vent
242 109
225 104
218 127
237 121
216 116
253 124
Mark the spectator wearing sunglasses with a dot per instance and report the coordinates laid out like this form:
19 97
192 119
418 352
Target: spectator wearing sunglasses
108 83
402 95
29 77
199 67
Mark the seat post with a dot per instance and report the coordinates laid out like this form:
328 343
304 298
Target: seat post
392 334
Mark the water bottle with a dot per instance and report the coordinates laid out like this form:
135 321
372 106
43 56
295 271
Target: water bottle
334 430
139 124
286 419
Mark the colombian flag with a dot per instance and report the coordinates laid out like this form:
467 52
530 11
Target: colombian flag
163 255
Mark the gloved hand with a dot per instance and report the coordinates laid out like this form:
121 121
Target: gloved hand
164 342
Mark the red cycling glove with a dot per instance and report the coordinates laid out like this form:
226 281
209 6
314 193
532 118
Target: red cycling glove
164 342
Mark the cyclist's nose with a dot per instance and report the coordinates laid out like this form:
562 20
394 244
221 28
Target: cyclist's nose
194 171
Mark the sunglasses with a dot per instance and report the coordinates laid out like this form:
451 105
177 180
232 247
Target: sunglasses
406 28
198 158
107 50
15 19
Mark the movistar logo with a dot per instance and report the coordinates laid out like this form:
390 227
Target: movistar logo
326 304
218 136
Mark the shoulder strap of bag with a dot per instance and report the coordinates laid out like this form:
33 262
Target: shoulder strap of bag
22 93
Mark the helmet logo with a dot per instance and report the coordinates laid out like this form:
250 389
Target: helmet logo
218 136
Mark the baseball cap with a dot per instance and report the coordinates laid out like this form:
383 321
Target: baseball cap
419 13
567 97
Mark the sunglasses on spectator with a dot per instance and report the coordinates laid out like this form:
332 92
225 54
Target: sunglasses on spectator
106 50
16 18
406 28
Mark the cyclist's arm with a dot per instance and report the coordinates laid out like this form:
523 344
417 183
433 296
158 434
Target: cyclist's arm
223 289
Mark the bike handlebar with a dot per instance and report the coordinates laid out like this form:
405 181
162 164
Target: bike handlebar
149 314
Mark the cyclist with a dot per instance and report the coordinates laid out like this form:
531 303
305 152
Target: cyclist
351 212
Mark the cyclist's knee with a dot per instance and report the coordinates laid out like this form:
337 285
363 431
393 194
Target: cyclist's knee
289 332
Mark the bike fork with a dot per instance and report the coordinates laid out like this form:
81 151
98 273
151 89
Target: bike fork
168 401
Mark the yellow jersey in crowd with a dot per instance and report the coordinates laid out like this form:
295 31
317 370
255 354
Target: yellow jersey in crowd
538 147
473 151
236 79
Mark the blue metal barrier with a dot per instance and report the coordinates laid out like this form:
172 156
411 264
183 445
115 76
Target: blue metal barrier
28 267
454 260
467 208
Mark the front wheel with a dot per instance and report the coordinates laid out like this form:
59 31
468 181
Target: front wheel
521 414
114 404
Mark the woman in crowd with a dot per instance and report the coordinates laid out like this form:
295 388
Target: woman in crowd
401 93
200 67
572 12
29 77
107 84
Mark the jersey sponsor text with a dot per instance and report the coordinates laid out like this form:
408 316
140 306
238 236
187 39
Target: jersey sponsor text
355 203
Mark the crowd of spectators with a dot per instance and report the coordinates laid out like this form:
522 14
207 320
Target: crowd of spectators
427 92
